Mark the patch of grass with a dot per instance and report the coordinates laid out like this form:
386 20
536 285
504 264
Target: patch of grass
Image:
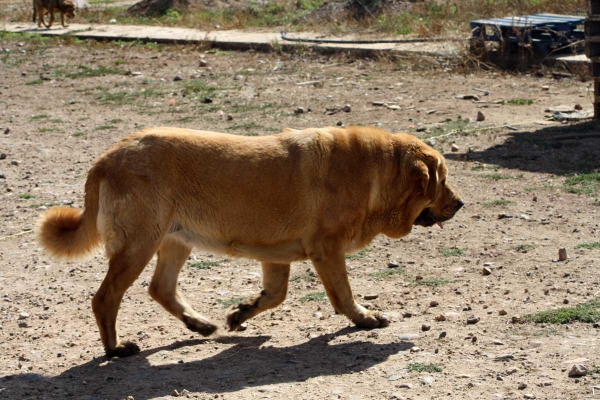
477 168
79 133
452 252
198 88
588 183
230 302
587 312
205 264
434 282
388 273
35 82
421 367
518 102
589 246
249 125
359 254
305 278
240 108
316 296
86 72
496 176
105 127
524 247
57 121
458 125
38 117
115 121
494 203
44 130
26 196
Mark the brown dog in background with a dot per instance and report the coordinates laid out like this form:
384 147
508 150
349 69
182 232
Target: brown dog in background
315 194
64 7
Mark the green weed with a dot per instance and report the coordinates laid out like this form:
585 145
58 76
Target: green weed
421 367
587 312
316 296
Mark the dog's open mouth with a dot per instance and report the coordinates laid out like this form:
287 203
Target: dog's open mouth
426 218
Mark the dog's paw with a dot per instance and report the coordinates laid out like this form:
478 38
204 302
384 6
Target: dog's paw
373 320
204 328
239 314
124 349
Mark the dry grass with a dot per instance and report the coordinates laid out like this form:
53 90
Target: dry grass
423 19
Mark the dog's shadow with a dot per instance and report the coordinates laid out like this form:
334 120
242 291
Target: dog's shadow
249 362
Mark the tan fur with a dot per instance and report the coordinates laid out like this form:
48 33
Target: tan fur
64 7
315 194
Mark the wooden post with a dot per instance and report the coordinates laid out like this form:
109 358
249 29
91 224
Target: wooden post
592 48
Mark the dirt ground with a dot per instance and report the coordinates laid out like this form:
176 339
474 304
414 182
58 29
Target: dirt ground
57 116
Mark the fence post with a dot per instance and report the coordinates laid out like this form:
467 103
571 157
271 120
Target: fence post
592 48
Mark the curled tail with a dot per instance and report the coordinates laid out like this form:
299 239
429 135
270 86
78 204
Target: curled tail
69 232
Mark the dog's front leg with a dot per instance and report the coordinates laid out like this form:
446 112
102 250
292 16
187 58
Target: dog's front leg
331 268
275 285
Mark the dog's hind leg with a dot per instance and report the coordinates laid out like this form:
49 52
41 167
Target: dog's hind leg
332 272
163 288
275 285
124 268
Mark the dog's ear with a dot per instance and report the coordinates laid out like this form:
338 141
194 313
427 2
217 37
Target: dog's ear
428 175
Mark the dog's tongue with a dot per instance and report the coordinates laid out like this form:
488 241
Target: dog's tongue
440 224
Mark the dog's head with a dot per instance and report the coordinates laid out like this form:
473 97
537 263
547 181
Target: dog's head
68 7
441 201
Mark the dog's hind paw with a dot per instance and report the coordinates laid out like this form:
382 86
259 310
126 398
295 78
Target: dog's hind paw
240 314
204 328
373 320
124 349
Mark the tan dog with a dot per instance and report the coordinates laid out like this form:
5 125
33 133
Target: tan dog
315 194
64 7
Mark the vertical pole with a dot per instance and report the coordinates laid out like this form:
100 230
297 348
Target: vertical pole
592 48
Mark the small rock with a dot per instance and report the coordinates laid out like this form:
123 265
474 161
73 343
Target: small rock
516 319
440 318
522 386
425 328
468 97
238 78
396 396
393 264
454 148
545 87
3 156
418 278
372 296
415 349
430 142
577 371
242 327
480 116
434 303
566 301
14 162
318 315
407 314
488 264
497 342
502 312
428 380
562 254
177 78
578 107
23 315
7 131
486 271
299 110
442 335
473 320
229 117
473 339
207 100
135 73
339 123
404 386
203 63
408 336
528 396
347 108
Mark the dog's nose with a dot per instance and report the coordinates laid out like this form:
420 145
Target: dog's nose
459 205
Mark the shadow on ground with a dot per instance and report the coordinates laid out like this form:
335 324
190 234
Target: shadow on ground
546 150
245 364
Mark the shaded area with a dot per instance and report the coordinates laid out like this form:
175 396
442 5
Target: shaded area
560 150
246 364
